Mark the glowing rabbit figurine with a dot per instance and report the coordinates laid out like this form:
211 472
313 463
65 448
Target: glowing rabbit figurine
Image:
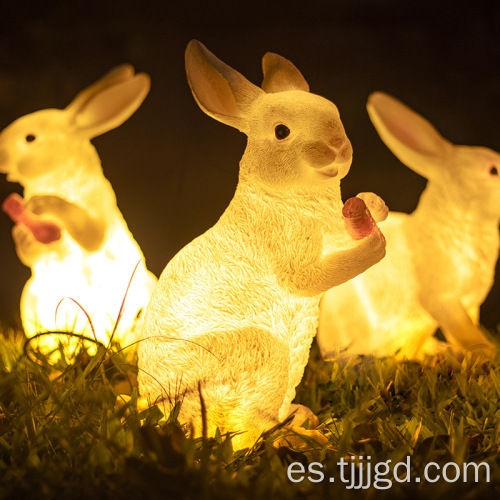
235 311
440 260
90 255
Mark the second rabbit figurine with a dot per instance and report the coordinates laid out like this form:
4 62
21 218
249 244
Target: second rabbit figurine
230 324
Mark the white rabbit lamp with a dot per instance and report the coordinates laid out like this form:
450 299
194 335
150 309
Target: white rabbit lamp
68 229
440 259
235 311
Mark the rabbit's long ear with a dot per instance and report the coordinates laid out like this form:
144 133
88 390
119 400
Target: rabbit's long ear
409 136
110 101
220 91
280 75
118 74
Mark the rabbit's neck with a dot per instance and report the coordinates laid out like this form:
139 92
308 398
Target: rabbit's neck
439 211
78 179
441 203
73 172
323 203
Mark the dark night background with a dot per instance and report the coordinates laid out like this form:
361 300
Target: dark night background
174 169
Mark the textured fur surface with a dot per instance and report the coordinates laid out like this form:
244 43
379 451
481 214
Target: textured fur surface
63 181
440 261
235 311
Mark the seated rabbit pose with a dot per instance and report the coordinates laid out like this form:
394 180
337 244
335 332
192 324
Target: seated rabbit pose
440 259
231 321
68 229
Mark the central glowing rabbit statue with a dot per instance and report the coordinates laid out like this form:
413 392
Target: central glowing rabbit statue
235 311
440 260
68 229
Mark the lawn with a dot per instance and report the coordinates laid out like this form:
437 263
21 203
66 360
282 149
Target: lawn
66 431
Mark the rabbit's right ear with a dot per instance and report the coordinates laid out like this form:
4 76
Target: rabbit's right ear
407 134
110 101
280 74
220 91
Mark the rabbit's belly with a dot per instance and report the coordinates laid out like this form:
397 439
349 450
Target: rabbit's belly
75 283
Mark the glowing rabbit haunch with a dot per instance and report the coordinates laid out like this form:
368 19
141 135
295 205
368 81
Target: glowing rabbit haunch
68 229
235 311
440 260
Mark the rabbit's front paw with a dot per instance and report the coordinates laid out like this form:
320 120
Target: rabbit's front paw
373 248
375 205
485 352
45 204
27 247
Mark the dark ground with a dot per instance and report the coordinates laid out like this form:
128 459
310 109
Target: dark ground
173 169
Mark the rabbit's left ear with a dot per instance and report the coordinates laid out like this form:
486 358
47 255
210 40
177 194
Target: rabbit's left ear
108 102
280 75
408 135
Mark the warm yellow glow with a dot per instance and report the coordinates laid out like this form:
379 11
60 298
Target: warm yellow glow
440 260
235 311
68 229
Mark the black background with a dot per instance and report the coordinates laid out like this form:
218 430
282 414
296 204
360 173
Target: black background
174 170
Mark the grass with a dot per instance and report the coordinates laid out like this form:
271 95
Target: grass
63 434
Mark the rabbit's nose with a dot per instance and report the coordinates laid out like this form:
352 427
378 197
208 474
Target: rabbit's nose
345 152
337 141
319 154
4 158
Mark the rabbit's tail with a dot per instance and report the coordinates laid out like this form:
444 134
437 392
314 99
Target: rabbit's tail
234 381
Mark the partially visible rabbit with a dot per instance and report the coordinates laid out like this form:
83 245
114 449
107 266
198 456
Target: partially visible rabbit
440 260
234 313
92 258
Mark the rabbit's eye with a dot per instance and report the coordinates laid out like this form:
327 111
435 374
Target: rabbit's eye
281 132
493 170
30 138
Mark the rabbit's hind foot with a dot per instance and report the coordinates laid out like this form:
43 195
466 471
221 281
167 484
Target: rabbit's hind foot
301 414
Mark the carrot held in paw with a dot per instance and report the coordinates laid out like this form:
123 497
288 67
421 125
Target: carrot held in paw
43 231
358 220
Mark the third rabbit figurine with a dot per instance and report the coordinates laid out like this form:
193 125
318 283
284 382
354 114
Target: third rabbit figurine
440 261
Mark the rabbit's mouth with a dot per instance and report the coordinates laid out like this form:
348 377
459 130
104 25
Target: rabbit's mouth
342 162
329 171
328 158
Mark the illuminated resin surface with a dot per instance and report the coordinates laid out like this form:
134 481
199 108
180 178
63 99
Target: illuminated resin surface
235 311
93 257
